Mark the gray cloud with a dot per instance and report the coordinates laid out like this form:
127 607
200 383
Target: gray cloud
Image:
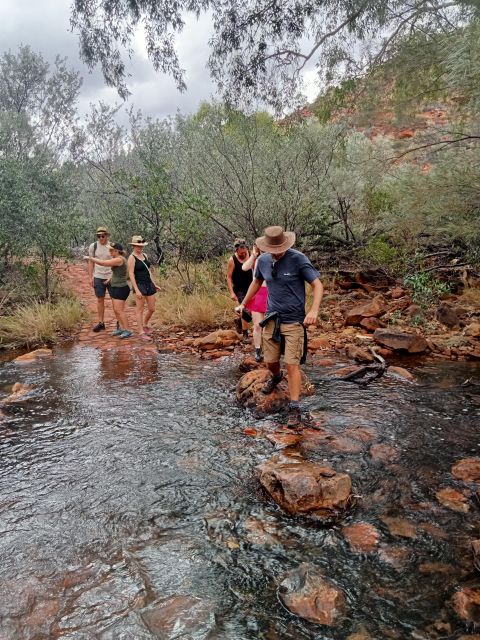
44 25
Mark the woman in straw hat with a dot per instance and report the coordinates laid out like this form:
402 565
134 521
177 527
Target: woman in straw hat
144 286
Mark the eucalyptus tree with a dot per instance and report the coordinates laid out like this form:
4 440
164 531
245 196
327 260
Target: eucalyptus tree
259 48
37 113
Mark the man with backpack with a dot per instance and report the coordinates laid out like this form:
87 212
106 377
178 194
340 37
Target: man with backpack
99 277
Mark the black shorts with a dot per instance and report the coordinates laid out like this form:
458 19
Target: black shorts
120 293
101 288
240 295
147 288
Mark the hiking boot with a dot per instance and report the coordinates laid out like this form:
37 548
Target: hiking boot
117 332
125 334
100 326
258 355
294 420
272 383
245 335
238 325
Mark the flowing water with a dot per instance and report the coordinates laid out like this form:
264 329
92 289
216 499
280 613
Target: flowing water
125 481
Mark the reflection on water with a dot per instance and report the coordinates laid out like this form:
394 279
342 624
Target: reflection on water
127 481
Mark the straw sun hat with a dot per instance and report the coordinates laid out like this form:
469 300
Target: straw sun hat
138 241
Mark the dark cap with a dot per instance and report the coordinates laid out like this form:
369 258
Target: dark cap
239 242
115 245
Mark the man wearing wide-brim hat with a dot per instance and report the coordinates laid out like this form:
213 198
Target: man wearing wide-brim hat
285 271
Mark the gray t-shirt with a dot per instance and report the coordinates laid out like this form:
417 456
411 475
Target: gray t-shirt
102 253
286 289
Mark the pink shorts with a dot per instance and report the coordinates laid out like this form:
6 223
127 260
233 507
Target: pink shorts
259 301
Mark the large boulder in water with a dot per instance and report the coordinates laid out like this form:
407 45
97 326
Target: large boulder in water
299 486
306 593
467 469
249 391
217 340
400 340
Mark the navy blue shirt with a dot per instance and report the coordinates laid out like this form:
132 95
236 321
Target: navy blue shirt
286 291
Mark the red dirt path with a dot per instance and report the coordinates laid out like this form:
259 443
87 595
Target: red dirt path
75 277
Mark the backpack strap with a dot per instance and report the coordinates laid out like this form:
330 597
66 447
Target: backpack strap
94 248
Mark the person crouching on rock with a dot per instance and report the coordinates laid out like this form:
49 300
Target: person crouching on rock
119 289
144 286
257 305
285 271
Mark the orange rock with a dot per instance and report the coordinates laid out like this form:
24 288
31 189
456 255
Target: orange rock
306 593
453 499
400 341
33 356
357 353
314 344
400 527
401 373
373 308
467 470
383 452
250 431
284 439
466 603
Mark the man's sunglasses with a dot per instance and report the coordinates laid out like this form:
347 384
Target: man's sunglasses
274 269
101 235
240 244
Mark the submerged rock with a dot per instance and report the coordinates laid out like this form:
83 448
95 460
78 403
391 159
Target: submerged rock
400 341
466 603
467 470
400 372
180 617
399 527
306 593
249 391
19 390
383 452
299 486
361 537
453 499
217 340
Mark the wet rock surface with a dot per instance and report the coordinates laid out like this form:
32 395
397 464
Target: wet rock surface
308 594
299 486
179 617
217 340
249 391
466 603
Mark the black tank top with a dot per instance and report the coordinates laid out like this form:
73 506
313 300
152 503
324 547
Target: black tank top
241 280
141 270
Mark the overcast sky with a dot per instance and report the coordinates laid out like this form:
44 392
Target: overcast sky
44 25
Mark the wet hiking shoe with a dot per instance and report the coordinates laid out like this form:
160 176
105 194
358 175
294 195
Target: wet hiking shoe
99 327
294 420
271 383
238 325
125 334
117 332
258 355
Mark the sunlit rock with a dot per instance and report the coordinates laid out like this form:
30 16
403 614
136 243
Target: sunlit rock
361 537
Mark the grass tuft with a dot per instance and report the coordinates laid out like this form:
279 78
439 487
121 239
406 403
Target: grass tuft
208 307
38 323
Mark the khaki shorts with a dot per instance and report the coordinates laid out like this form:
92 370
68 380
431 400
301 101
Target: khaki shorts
293 335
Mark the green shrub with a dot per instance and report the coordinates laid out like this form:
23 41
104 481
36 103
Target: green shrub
380 253
426 289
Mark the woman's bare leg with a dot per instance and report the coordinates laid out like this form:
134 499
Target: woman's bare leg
119 309
150 309
257 329
139 313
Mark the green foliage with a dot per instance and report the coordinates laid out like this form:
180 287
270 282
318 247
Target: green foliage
380 253
426 289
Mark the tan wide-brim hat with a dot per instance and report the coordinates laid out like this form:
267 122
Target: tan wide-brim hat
275 240
103 230
138 241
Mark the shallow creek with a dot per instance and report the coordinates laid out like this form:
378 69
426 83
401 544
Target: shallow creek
124 481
